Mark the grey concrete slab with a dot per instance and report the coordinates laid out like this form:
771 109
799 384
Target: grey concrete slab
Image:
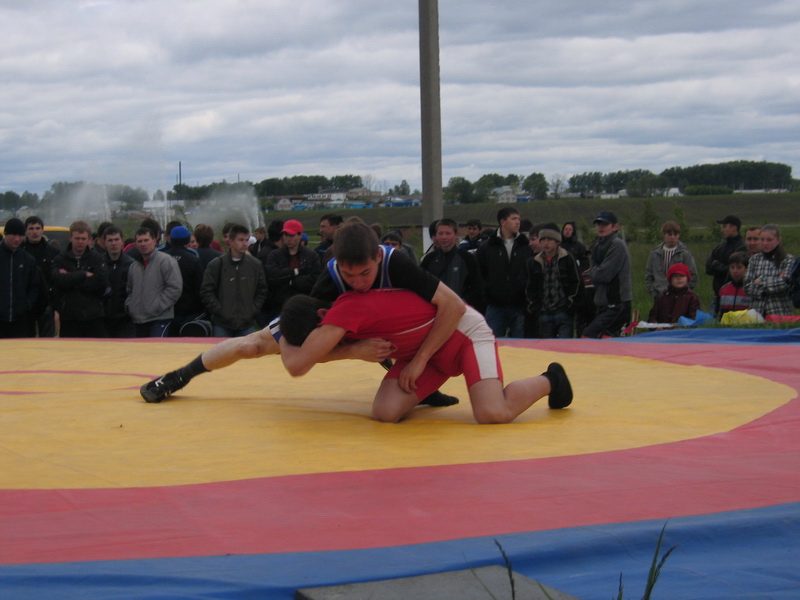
484 583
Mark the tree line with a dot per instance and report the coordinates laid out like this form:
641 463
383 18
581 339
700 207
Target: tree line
639 183
711 178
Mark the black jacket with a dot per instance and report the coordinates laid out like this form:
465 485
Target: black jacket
77 296
571 282
458 270
189 303
19 283
233 291
283 282
117 288
504 278
717 263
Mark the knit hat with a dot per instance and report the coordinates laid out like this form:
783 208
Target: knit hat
179 236
678 269
550 231
14 227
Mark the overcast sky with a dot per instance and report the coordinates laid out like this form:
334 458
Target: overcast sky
114 91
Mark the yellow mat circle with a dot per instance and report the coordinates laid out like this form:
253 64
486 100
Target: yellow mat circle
72 416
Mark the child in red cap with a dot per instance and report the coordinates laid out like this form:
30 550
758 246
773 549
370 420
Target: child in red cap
678 300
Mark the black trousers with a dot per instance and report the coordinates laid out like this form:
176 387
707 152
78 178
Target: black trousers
609 321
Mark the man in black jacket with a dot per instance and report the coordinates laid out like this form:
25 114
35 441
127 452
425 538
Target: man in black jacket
80 280
118 321
234 287
502 259
20 282
38 246
291 269
188 307
717 263
456 267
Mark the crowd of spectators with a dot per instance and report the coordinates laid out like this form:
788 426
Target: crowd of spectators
528 279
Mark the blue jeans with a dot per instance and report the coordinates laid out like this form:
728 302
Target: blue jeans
504 319
153 328
220 331
558 324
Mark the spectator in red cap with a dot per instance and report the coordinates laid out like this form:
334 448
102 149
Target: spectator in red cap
678 300
291 269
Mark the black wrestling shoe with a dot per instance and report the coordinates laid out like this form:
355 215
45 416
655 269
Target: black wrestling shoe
439 399
158 389
560 388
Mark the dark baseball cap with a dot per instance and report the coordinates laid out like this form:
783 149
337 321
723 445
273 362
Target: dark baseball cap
731 220
606 217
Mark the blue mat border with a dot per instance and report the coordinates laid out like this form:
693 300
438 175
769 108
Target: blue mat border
735 555
716 336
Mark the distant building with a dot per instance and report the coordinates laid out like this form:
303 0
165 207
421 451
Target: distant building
283 204
504 194
363 192
326 196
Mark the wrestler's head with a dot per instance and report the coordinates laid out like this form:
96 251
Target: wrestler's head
300 315
357 253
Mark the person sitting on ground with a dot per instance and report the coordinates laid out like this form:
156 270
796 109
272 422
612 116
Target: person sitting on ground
359 264
766 280
398 321
678 300
732 295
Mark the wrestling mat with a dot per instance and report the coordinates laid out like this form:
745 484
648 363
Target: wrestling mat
251 484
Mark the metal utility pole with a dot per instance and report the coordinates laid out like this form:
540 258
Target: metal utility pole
431 112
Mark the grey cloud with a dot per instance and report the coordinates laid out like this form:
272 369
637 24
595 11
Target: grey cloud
123 90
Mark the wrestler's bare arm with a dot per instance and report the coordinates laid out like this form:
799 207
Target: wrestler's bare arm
298 360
